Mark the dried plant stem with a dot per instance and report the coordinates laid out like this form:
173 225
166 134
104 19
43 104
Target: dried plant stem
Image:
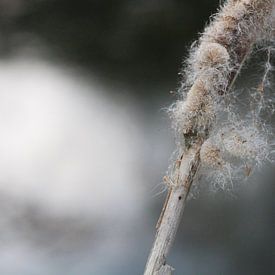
222 50
171 215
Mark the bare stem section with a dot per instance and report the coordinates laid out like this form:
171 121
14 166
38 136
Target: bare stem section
212 67
172 211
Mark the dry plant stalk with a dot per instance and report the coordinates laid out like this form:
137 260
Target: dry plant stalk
213 67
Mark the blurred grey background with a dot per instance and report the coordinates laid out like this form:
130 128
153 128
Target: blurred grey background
85 142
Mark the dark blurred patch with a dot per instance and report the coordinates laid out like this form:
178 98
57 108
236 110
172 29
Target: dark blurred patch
56 234
139 43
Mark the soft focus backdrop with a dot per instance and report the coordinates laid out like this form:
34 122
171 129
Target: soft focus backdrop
85 142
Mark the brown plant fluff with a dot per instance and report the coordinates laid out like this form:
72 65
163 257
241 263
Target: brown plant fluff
247 143
211 55
198 100
240 23
210 155
215 62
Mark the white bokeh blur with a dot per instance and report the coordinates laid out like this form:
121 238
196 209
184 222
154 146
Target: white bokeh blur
63 144
71 152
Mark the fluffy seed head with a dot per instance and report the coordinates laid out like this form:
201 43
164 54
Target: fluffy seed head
196 112
205 110
210 55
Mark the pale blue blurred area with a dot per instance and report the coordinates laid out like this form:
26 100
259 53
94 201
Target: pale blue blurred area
85 141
